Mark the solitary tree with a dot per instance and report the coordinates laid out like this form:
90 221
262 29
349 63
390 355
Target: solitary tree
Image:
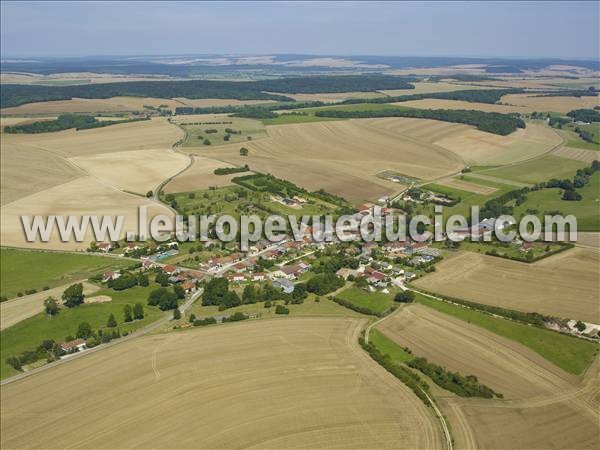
73 295
84 330
192 317
243 151
405 297
176 314
51 306
111 322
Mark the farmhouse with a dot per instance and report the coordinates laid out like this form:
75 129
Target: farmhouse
236 277
258 276
294 270
110 275
189 286
73 346
170 270
104 246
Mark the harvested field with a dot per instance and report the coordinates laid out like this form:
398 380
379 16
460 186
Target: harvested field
135 171
578 154
429 87
292 383
342 157
432 103
27 170
144 135
85 105
333 97
556 408
564 285
73 78
504 365
84 195
210 102
589 240
480 148
11 121
18 309
556 104
467 186
41 179
556 424
200 176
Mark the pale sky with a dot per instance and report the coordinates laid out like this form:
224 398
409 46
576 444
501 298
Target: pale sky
514 29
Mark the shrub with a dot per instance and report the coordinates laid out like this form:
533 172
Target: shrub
280 309
205 321
405 297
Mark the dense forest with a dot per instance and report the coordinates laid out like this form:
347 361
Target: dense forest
263 111
64 122
18 94
495 123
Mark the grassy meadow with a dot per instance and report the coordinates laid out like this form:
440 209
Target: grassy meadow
586 210
538 170
376 302
29 333
21 270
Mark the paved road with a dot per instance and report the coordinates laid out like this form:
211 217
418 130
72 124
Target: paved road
167 316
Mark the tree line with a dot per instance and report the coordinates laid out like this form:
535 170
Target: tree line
19 94
65 122
491 122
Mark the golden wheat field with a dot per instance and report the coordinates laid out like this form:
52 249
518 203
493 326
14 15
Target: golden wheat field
543 407
200 176
578 154
474 146
564 285
480 148
292 383
341 157
433 103
556 104
135 171
73 172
